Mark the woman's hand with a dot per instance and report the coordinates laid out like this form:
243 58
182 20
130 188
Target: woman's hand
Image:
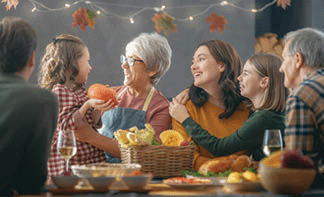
101 104
178 111
183 96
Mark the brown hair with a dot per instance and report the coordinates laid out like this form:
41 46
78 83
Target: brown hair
226 54
60 56
18 40
267 65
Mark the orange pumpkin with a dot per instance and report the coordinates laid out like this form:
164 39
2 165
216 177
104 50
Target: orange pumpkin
103 92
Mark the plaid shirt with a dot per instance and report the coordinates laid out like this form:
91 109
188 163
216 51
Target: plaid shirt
70 102
305 117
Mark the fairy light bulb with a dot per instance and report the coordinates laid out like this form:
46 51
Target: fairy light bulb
162 7
34 9
87 2
98 12
191 18
67 5
253 10
131 20
224 3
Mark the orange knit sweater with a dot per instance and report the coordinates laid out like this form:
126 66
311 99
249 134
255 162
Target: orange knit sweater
207 117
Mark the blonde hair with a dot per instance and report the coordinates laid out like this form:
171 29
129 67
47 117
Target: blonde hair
267 65
60 56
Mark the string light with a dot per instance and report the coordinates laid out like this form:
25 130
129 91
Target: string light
40 7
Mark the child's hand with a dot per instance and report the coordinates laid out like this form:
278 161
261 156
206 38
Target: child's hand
101 105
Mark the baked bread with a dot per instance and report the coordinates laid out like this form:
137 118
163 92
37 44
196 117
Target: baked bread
222 164
241 162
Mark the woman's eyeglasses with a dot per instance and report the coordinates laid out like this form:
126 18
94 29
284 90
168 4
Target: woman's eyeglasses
130 61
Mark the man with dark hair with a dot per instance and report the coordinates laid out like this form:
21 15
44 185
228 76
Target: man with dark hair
28 114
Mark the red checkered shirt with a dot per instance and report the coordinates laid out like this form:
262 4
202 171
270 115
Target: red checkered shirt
70 101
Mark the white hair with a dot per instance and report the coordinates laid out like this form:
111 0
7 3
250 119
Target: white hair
154 50
310 43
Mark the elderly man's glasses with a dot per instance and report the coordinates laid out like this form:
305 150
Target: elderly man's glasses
130 61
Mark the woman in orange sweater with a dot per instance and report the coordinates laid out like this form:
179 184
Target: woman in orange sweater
215 101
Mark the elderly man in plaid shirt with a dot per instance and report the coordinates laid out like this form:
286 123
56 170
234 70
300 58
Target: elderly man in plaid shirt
303 67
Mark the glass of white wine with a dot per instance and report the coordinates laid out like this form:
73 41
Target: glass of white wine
66 146
272 141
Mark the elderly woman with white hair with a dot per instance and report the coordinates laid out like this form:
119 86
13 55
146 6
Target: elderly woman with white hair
147 58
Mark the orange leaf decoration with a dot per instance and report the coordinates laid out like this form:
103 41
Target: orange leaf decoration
164 22
10 3
216 22
283 3
83 17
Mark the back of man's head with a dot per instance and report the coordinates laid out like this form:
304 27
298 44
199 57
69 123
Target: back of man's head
18 40
310 43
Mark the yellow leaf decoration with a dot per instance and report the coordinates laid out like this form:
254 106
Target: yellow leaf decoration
10 3
83 17
164 22
283 3
216 22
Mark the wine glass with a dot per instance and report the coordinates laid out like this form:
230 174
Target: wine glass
66 146
272 141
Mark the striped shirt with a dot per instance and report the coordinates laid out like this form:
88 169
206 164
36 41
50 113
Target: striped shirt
305 117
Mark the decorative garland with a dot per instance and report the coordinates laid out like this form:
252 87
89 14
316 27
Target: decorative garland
84 17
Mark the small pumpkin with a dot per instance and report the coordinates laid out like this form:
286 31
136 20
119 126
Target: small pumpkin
103 92
171 138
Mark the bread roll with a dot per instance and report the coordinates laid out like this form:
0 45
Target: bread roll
241 162
216 165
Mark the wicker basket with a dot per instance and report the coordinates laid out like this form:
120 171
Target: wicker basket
161 161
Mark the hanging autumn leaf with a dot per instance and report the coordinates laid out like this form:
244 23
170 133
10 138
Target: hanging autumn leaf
83 17
80 18
10 3
283 3
90 18
164 22
216 22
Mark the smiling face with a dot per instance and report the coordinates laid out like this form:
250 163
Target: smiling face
136 75
204 68
250 82
83 67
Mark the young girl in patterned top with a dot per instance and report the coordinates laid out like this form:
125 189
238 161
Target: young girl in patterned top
64 69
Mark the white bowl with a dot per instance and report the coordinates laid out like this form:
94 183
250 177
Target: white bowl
103 182
136 182
286 180
104 169
63 181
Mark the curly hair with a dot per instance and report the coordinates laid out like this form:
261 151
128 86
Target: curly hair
228 83
60 56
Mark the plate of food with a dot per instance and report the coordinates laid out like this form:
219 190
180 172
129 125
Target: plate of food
189 183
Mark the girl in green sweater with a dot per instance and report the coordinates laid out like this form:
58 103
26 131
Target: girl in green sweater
262 83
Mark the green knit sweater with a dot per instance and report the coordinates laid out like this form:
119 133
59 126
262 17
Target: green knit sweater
248 137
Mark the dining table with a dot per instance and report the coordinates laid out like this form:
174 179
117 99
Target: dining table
157 188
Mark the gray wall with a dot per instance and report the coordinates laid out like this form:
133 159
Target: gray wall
107 41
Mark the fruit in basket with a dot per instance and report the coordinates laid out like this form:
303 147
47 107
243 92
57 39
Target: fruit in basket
134 136
288 159
103 92
296 159
273 160
171 138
